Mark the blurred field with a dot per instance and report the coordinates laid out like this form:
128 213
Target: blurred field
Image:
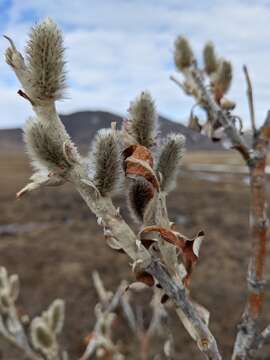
55 259
229 157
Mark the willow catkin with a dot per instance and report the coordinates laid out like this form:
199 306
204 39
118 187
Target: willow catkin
45 62
169 159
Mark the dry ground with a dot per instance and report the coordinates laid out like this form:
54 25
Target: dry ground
56 258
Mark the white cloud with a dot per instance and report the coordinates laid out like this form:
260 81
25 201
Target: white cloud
115 49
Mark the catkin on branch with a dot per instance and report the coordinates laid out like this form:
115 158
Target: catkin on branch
210 59
44 149
169 161
142 122
105 161
183 55
45 62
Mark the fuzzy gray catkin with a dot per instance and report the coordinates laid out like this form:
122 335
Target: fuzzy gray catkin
56 315
140 194
142 124
9 290
45 328
210 59
183 55
224 75
45 62
42 338
44 150
169 159
105 161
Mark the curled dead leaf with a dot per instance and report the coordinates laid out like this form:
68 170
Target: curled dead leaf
167 234
138 162
189 248
139 152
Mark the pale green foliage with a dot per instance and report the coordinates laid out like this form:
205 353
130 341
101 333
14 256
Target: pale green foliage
105 162
210 59
183 55
142 122
45 61
169 159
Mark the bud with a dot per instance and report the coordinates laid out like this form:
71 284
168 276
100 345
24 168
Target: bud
5 301
183 55
42 337
56 315
3 278
169 160
223 77
142 122
14 287
45 62
44 148
140 194
210 60
105 159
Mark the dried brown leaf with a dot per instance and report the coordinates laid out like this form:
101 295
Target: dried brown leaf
138 162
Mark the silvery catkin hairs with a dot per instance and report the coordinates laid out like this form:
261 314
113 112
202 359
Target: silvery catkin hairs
45 62
142 124
42 148
169 159
105 161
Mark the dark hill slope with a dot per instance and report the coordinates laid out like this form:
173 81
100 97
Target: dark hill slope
83 125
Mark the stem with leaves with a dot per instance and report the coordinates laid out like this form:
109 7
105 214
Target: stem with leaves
157 249
220 118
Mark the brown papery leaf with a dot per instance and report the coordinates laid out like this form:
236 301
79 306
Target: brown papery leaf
167 234
190 254
138 161
189 248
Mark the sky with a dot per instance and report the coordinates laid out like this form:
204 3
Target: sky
117 48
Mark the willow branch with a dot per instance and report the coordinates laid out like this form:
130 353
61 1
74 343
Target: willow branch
12 330
262 339
129 314
246 336
99 338
219 114
202 334
109 217
250 99
177 82
19 341
222 117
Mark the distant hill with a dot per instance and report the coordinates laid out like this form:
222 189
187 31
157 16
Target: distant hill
83 125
